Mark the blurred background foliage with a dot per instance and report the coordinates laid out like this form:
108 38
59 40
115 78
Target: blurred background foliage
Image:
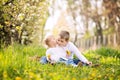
22 21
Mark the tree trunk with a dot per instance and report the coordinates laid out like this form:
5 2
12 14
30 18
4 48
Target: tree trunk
99 33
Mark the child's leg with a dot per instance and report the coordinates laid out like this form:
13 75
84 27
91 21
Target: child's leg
67 62
43 60
71 62
78 62
61 60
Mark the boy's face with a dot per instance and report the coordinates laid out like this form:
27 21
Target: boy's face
61 42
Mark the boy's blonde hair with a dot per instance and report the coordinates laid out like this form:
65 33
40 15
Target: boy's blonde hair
64 35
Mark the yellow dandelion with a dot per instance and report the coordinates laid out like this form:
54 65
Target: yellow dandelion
1 26
5 74
73 78
18 78
50 74
0 56
93 74
68 52
84 79
48 56
99 76
31 75
111 78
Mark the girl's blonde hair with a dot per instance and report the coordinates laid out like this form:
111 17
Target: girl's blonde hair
47 40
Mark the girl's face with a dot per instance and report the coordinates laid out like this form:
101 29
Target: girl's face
52 41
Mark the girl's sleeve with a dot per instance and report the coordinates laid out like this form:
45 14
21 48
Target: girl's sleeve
77 53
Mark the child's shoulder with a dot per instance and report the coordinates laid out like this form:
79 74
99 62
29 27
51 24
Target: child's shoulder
50 49
70 43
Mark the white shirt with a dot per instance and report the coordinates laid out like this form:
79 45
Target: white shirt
74 50
54 54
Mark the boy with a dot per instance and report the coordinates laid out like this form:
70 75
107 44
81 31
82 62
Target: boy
55 54
70 48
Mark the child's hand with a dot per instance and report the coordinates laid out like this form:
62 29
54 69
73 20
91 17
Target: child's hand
89 63
52 62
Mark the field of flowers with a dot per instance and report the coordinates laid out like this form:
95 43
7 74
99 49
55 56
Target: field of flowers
15 65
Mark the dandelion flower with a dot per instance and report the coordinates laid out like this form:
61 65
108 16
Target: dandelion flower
68 52
31 74
18 78
73 78
5 74
49 56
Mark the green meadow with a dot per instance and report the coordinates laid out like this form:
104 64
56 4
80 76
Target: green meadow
16 65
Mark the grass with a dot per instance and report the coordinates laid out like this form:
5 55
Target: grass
15 65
